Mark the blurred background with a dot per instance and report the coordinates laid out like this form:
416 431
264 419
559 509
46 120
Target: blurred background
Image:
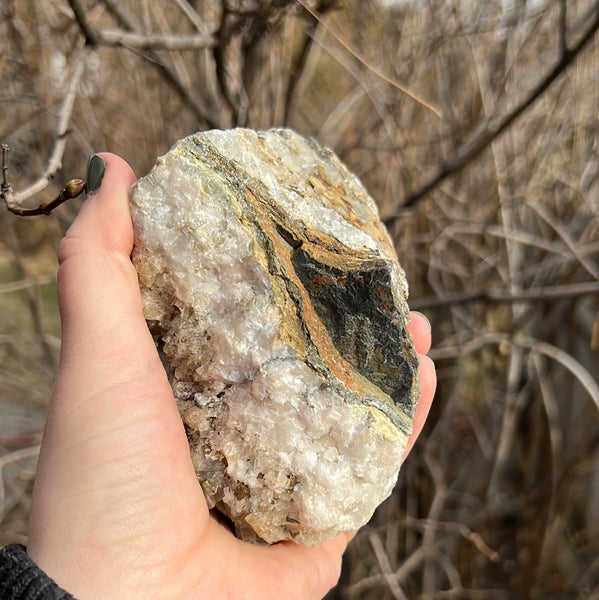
475 126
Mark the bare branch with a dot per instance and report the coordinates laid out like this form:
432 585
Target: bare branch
587 381
589 265
298 65
91 35
23 284
385 566
193 17
226 30
370 66
6 192
73 188
64 116
563 27
472 536
118 37
149 54
539 294
492 127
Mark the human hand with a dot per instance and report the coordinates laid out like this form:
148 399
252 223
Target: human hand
117 511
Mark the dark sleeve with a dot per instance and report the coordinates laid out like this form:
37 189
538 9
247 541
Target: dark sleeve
22 579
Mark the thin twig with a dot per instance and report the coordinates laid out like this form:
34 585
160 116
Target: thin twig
20 454
472 536
118 37
91 35
23 284
193 17
14 200
71 190
563 27
226 30
565 236
493 127
298 65
6 192
149 54
409 564
587 381
537 294
434 512
385 566
370 66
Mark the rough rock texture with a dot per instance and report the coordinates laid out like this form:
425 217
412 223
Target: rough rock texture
279 307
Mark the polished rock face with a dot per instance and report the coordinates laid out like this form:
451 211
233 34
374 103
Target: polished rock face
279 308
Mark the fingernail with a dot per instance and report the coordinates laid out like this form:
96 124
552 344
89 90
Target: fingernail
96 167
423 316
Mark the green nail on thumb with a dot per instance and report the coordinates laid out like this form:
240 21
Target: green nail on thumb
96 167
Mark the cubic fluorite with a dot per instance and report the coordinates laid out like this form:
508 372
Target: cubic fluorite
279 308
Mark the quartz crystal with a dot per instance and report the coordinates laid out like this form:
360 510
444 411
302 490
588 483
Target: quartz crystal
279 309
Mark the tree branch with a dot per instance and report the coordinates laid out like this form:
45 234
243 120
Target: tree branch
92 36
404 90
118 37
539 294
73 188
299 63
492 127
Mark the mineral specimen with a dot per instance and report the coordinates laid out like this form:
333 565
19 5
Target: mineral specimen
278 305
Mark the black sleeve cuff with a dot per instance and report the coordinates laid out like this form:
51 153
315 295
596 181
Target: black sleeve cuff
22 579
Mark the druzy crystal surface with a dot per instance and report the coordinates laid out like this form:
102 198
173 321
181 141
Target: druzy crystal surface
279 308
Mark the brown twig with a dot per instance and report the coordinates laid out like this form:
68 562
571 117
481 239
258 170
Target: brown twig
23 284
385 566
192 16
14 200
71 190
472 536
553 352
6 191
91 35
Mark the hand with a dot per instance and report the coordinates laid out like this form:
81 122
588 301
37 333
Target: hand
117 511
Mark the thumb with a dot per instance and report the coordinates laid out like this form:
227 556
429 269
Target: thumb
114 447
107 352
100 304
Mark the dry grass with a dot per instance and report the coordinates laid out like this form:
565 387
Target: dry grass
500 498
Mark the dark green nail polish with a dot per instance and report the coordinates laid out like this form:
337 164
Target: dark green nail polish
96 167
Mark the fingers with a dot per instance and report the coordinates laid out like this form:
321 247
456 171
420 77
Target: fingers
420 328
428 384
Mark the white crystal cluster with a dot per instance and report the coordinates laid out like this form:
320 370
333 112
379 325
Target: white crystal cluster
280 445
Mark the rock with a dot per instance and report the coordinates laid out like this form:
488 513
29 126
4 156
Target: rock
279 308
